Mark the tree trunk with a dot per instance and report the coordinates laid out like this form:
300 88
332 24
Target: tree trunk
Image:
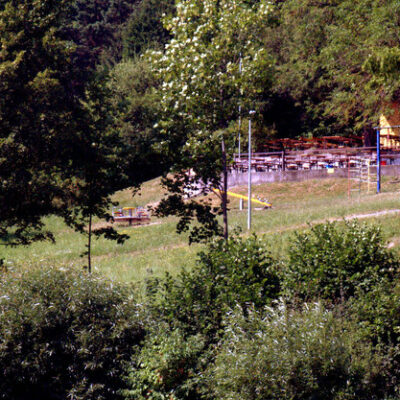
89 245
224 197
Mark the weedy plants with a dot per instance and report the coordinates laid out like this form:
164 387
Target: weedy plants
64 334
283 354
167 366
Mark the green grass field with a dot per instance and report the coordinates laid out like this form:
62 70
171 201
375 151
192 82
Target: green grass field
156 248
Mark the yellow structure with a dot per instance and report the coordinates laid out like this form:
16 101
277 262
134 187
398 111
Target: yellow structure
240 196
390 137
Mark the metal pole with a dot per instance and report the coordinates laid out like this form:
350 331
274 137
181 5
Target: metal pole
249 175
378 161
348 178
240 127
378 153
240 107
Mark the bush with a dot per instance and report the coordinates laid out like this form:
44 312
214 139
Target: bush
64 334
330 262
168 365
309 354
235 271
187 312
377 314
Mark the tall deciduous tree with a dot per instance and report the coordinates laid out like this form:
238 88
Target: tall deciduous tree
200 95
57 148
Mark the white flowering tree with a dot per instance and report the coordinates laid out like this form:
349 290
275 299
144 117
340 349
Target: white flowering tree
200 94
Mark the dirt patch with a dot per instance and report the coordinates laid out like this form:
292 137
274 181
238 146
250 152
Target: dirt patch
100 225
394 242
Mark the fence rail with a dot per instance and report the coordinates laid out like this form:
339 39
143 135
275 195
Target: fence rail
313 159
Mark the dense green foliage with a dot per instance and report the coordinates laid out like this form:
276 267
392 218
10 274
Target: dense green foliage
64 334
233 271
59 148
267 349
40 114
331 263
144 28
335 65
96 27
286 354
187 314
377 313
170 366
223 330
132 87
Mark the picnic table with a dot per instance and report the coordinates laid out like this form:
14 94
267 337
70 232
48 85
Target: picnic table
131 215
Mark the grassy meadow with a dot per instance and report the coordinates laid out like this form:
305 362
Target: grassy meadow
156 248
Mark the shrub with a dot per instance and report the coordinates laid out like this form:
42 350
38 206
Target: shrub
377 314
64 334
309 354
331 262
168 365
186 314
232 271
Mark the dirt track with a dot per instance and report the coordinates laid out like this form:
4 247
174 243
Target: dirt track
346 218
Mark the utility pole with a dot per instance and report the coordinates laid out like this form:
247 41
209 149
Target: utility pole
252 112
240 106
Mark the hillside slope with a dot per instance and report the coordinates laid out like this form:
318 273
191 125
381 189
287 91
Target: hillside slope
156 248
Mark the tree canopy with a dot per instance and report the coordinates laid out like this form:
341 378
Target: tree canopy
55 136
309 69
96 27
333 64
202 87
145 29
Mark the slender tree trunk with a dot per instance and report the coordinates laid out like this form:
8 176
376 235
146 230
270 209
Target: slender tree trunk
89 245
225 191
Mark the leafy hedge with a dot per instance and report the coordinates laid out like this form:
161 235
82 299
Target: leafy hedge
286 352
169 366
64 334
